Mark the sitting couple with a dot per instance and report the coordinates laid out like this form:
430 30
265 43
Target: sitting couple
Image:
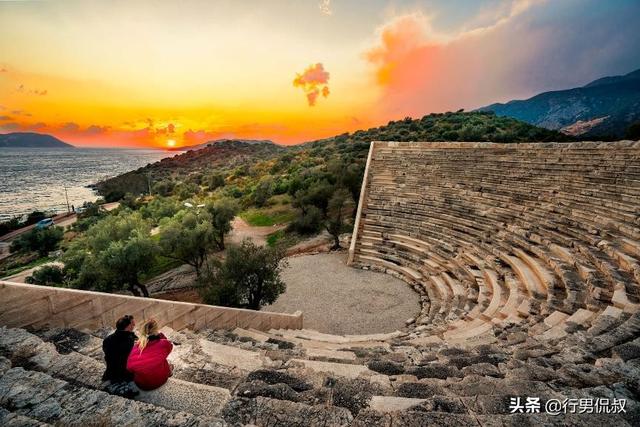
142 360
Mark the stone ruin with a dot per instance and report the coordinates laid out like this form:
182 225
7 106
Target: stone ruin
527 261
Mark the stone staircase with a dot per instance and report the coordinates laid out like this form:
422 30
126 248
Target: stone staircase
286 377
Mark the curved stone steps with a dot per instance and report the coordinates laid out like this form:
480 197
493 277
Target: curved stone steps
310 334
36 395
197 399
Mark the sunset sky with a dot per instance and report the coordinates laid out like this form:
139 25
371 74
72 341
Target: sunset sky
154 73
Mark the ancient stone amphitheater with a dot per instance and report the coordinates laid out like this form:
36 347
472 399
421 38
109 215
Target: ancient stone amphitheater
527 260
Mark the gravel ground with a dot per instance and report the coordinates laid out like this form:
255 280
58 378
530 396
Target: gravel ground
342 300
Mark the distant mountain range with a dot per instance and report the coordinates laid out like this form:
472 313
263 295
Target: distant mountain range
31 140
603 108
208 143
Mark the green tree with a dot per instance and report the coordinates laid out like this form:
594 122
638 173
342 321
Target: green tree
188 237
90 215
214 181
339 213
159 208
222 213
130 201
249 277
42 241
262 191
309 220
48 275
163 188
112 255
185 190
125 260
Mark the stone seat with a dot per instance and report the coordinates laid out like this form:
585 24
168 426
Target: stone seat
370 256
497 298
532 283
335 339
580 317
36 395
198 399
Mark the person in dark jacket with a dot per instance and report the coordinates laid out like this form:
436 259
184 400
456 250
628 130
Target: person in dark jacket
116 348
148 358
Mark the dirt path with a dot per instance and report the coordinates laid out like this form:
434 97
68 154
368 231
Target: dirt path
242 230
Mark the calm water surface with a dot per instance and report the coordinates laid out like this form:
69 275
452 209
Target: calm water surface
34 178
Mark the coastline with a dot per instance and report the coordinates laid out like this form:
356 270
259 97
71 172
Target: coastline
44 179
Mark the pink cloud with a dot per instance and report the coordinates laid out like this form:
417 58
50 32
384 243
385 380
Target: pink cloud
313 81
516 51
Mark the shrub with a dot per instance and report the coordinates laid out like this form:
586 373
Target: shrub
48 275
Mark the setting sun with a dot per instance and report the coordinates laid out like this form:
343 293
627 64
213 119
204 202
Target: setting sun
171 143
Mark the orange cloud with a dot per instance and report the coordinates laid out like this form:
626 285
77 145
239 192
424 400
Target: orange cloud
313 81
39 92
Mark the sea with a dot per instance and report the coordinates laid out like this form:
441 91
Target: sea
36 178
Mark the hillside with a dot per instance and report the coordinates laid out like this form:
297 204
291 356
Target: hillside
31 140
603 108
244 164
217 141
219 156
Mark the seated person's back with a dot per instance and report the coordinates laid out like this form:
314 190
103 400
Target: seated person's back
117 348
148 357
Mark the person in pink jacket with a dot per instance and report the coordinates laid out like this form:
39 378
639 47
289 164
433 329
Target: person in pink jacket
148 358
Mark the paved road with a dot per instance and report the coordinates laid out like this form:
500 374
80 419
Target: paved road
64 220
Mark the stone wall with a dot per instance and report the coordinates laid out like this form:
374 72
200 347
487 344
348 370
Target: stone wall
24 305
499 231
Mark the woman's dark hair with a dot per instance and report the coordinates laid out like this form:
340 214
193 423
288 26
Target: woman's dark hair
123 322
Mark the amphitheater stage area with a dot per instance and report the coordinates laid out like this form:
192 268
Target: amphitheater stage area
338 299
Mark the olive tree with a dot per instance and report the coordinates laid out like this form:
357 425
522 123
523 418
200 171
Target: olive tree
112 255
248 277
188 237
222 213
339 215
